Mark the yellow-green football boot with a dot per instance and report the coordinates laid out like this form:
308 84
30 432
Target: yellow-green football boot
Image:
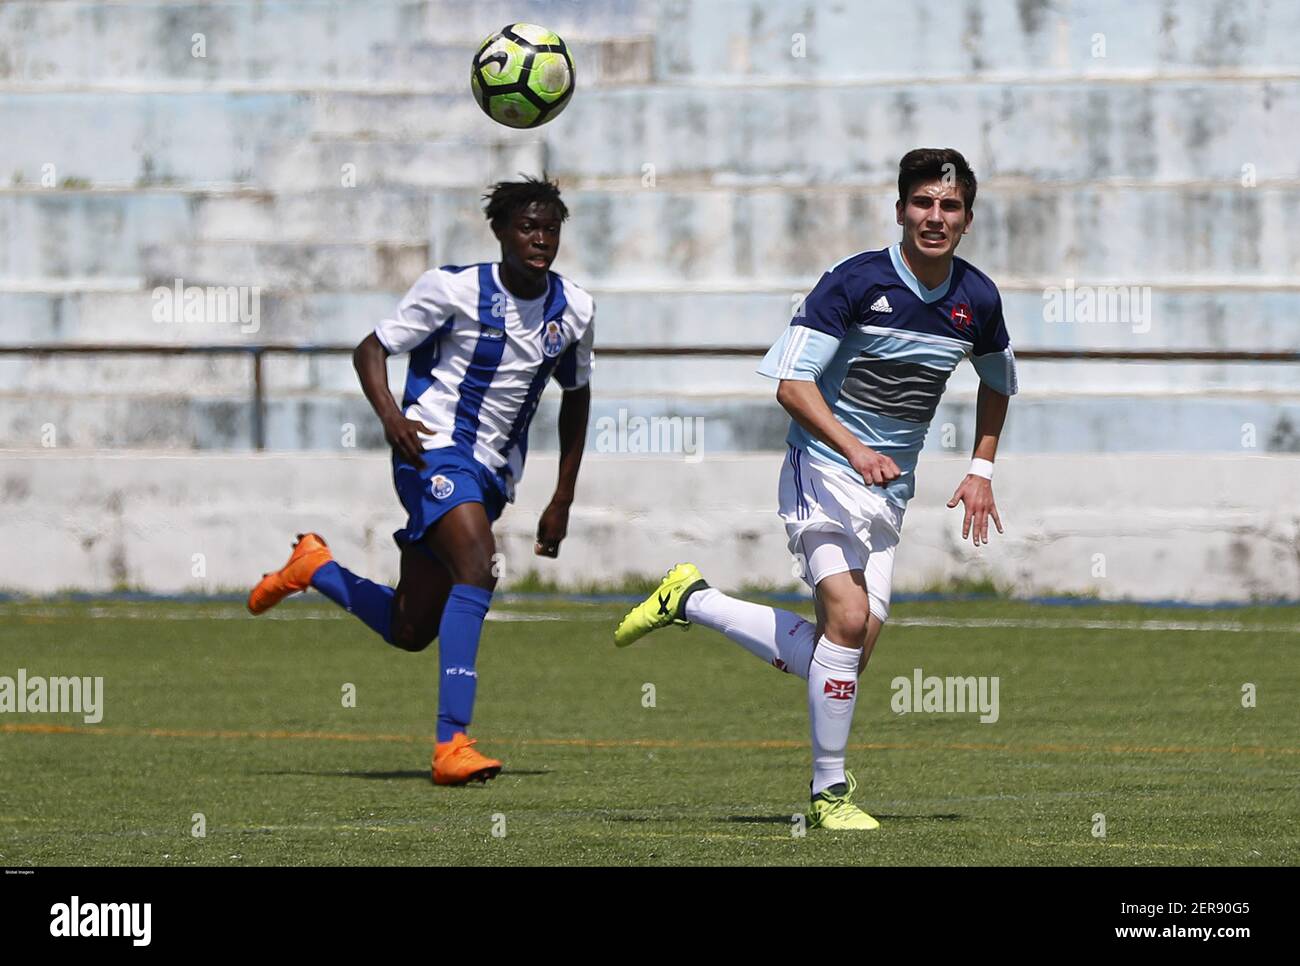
667 605
833 810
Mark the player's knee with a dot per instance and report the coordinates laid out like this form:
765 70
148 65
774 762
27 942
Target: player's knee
478 573
848 625
413 637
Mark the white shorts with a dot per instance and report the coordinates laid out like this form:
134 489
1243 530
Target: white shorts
836 523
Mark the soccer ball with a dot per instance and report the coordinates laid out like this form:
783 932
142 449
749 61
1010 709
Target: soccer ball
522 75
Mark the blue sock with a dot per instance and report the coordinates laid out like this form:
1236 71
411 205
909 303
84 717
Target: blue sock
458 634
370 601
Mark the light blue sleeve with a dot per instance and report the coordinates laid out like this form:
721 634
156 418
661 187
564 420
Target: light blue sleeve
997 370
800 353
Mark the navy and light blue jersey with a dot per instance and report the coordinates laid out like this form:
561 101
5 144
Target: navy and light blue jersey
480 357
880 347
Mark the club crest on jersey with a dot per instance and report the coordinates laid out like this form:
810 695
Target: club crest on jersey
552 340
442 487
961 316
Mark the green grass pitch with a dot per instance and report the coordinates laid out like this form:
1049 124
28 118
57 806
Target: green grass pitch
1128 712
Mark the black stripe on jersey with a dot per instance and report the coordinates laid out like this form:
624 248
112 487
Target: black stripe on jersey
900 390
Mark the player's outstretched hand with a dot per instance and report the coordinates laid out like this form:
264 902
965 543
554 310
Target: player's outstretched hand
404 436
552 528
977 493
876 468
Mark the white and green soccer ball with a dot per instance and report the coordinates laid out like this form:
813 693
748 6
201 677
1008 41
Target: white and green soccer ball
522 75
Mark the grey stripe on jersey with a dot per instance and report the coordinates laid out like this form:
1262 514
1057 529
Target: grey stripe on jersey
889 387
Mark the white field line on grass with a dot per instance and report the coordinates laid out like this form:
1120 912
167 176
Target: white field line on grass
1026 623
1095 625
138 614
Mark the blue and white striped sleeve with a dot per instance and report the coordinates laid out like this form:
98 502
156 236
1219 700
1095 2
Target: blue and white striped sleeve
573 371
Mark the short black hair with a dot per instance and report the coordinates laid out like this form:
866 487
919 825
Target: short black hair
935 164
504 198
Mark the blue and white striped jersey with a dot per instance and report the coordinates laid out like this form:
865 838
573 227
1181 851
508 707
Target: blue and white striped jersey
480 358
881 346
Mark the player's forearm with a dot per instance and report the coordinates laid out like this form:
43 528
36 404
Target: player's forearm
990 415
803 400
370 359
575 407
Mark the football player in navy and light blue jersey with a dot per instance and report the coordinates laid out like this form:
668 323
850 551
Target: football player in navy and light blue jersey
861 370
484 341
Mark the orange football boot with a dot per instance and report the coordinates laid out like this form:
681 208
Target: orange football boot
456 763
309 553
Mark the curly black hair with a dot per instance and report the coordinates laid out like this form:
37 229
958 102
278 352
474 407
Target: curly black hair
504 198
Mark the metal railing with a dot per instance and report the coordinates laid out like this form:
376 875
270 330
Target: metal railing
257 352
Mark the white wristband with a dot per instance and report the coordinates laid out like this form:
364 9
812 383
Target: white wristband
979 467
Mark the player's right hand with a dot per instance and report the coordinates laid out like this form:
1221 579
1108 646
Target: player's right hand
876 468
404 436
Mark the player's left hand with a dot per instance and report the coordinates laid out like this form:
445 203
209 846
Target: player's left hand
551 529
977 493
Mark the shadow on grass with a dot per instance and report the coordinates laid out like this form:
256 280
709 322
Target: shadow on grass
423 774
785 819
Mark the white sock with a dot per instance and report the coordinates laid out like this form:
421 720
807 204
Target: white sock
774 636
832 695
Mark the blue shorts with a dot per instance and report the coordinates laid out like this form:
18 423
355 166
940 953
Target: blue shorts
449 478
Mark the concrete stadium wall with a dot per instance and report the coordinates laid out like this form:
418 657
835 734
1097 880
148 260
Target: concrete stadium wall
717 156
1137 527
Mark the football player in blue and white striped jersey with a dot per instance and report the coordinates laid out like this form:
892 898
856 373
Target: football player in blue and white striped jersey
484 341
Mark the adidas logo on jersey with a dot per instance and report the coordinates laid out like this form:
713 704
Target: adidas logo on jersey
881 305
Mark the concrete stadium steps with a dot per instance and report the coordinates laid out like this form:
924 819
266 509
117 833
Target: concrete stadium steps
355 41
1094 234
50 318
747 39
174 421
369 166
146 139
305 43
283 142
341 214
393 62
83 234
1163 131
1062 424
127 376
327 266
1076 131
659 237
1180 319
1262 320
703 379
324 421
228 170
